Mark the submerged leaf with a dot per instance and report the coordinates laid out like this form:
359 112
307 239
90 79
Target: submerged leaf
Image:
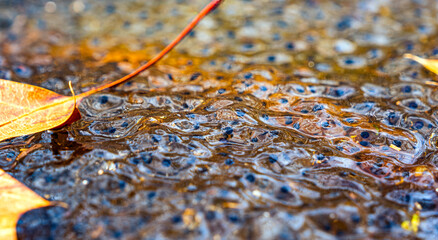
15 199
431 64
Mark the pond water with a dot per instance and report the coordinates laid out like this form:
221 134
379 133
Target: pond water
274 119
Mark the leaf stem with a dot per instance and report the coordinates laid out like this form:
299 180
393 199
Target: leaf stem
210 7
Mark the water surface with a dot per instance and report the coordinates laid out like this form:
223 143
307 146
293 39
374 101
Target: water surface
272 120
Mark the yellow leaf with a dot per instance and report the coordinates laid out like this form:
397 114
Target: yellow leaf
431 64
15 199
27 109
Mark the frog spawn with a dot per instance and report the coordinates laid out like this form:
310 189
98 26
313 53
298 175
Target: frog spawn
264 124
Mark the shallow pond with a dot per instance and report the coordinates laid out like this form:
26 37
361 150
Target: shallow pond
274 119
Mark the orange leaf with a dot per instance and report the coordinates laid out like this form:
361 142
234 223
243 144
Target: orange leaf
431 64
27 109
15 199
